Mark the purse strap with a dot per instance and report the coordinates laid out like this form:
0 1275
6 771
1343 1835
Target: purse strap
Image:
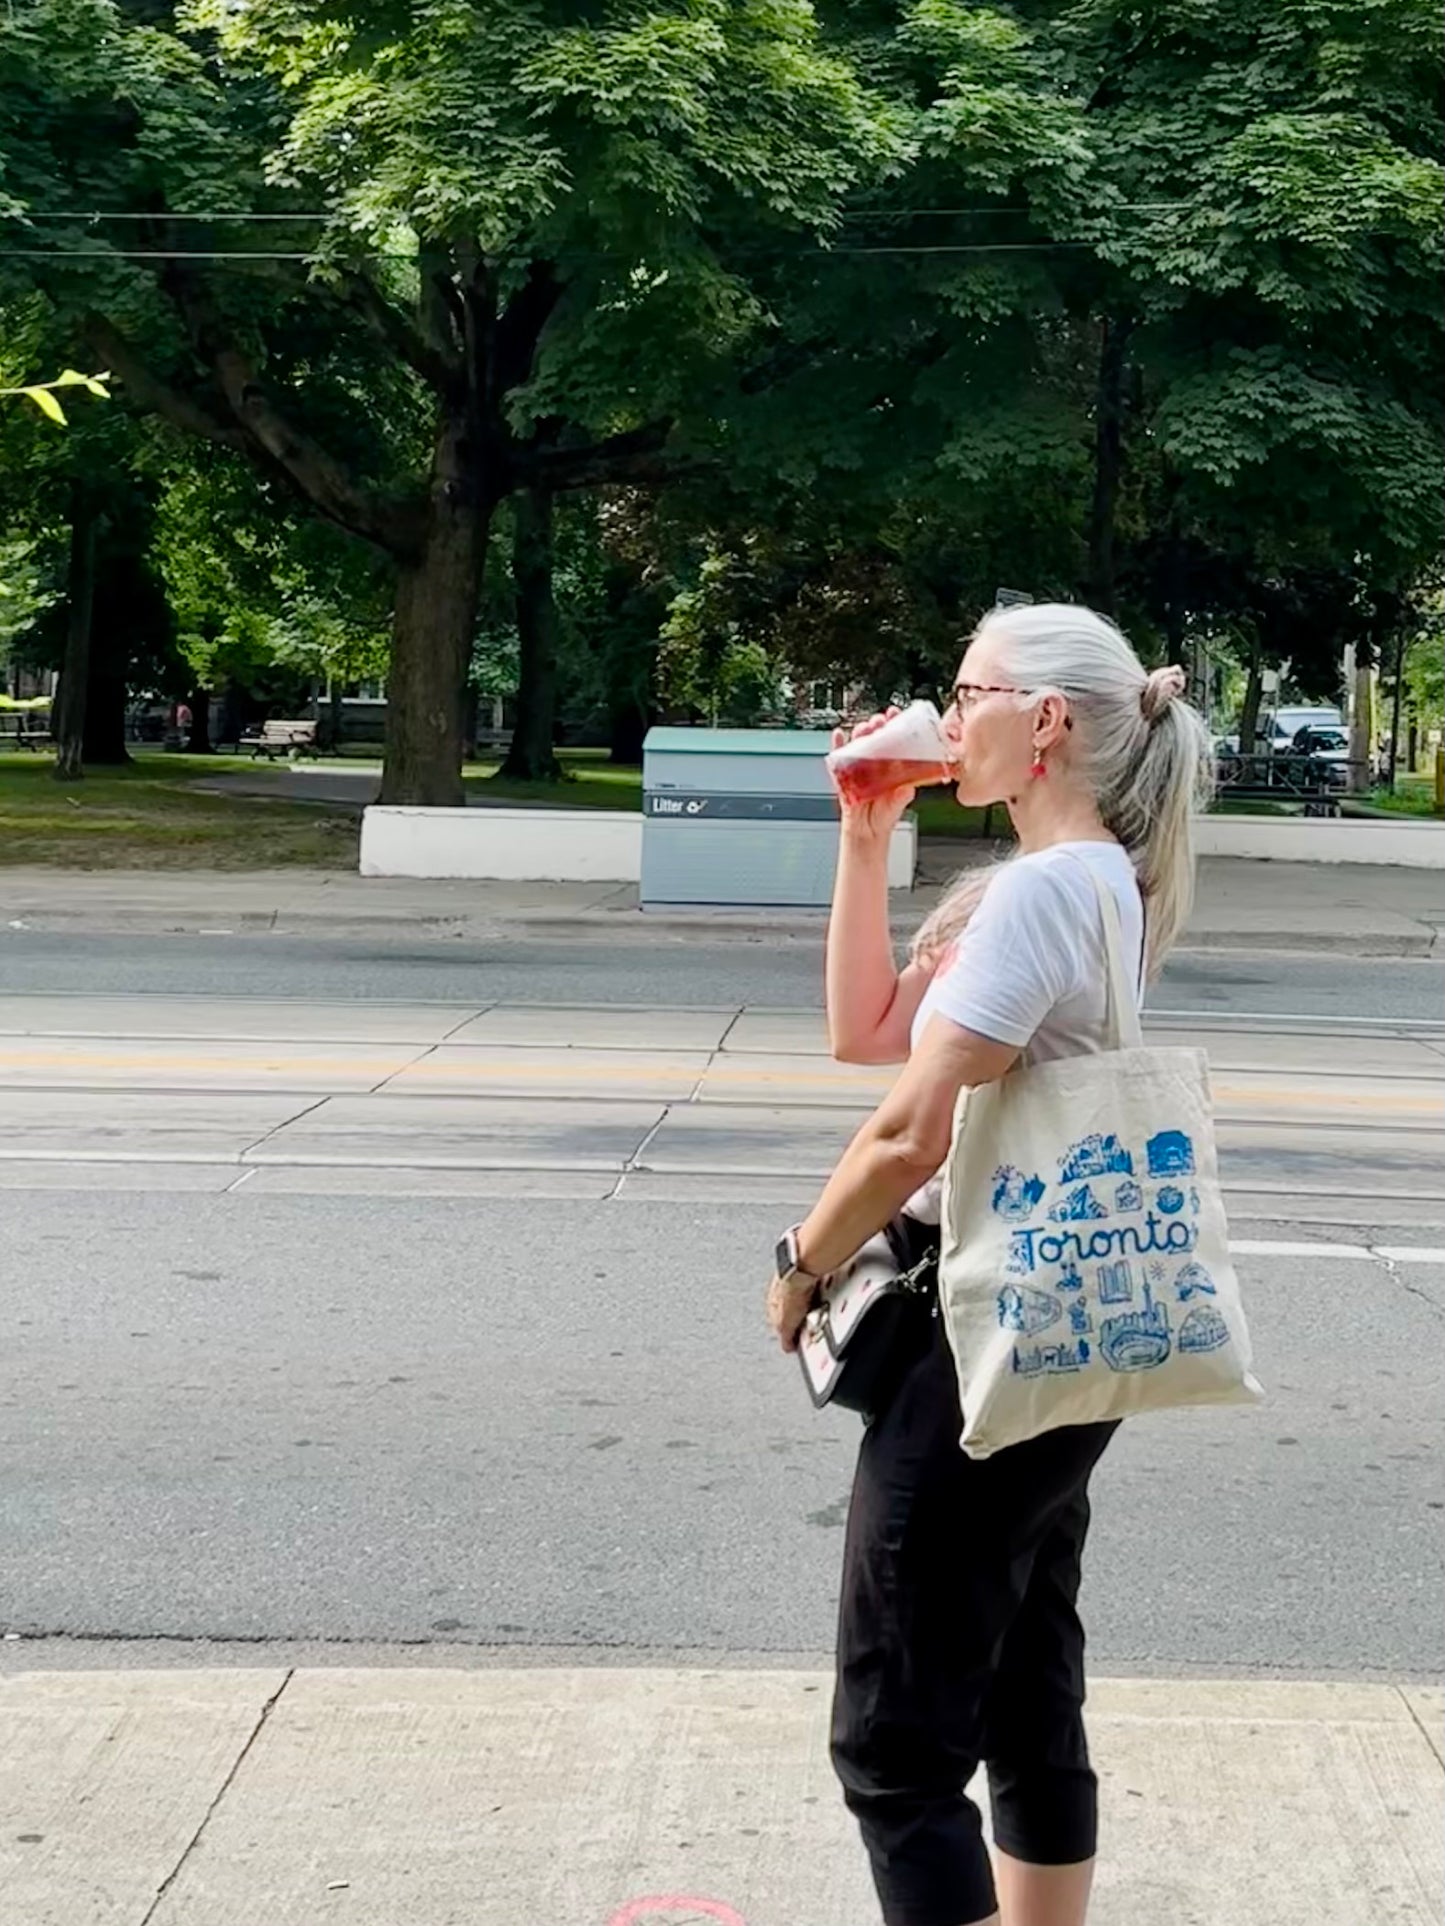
1121 1009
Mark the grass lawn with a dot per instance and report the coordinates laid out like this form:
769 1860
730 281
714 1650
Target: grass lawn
1413 796
594 784
590 783
151 817
1253 806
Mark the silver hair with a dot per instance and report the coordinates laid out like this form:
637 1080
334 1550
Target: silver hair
1141 749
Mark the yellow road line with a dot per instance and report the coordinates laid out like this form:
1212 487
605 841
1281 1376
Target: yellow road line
406 1063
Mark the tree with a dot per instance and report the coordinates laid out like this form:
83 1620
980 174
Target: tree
75 477
283 607
532 218
1281 262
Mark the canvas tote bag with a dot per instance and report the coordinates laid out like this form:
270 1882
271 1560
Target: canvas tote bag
1084 1271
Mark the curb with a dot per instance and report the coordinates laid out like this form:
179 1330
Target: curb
635 925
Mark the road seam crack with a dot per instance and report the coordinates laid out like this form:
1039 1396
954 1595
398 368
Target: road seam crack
429 1050
1396 1272
631 1162
470 1017
1425 1733
285 1124
733 1021
225 1786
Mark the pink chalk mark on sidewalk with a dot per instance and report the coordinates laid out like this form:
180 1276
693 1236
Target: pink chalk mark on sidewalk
638 1910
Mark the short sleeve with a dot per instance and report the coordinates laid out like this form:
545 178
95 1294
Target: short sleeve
1018 957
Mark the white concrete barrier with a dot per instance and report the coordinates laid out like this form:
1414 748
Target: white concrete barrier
1398 843
605 845
504 845
537 845
903 854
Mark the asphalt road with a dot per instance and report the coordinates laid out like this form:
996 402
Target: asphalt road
560 1428
346 1325
672 970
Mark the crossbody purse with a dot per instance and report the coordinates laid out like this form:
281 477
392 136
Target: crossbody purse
867 1322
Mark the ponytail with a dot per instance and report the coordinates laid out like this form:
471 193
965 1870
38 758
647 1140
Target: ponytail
1151 810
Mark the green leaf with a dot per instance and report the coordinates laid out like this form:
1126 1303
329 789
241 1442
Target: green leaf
46 403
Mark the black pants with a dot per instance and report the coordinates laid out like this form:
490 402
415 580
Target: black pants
959 1642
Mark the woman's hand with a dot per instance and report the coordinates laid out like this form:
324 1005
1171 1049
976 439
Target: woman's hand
880 817
788 1307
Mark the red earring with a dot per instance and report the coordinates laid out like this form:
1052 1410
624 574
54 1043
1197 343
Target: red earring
1038 770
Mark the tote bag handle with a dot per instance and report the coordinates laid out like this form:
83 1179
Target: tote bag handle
1121 1016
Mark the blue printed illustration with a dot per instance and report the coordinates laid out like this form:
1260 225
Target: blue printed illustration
1070 1278
1078 1207
1022 1308
1116 1283
1014 1195
1203 1330
1128 1196
1020 1253
1136 1340
1170 1200
1170 1154
1080 1323
1158 1270
1193 1200
1095 1156
1192 1280
1048 1359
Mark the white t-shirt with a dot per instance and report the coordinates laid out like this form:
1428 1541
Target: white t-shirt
1029 968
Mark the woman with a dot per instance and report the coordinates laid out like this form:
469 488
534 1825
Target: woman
959 1640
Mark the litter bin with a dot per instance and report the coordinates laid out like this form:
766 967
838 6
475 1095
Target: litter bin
744 817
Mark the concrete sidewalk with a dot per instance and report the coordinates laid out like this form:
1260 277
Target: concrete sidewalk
1344 910
653 1798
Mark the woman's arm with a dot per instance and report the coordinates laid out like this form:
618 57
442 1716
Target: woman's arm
871 1005
900 1147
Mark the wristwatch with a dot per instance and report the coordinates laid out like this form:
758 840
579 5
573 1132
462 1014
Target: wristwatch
786 1261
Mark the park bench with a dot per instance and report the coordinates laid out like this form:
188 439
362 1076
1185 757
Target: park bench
277 738
25 731
1275 778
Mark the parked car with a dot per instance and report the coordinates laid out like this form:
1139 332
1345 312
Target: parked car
1266 743
1287 723
1313 756
1328 745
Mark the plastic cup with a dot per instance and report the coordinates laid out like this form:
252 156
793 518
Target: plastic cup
908 752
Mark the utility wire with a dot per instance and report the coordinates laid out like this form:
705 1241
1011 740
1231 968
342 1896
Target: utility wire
265 254
239 215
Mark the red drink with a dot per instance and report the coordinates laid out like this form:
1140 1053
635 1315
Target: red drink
865 779
908 751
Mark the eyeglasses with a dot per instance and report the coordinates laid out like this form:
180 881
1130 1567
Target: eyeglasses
964 694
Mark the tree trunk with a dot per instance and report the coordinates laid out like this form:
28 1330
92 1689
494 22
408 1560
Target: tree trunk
1362 720
198 739
471 721
530 755
1253 690
629 662
104 728
1108 459
626 727
431 641
1395 707
68 725
229 721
